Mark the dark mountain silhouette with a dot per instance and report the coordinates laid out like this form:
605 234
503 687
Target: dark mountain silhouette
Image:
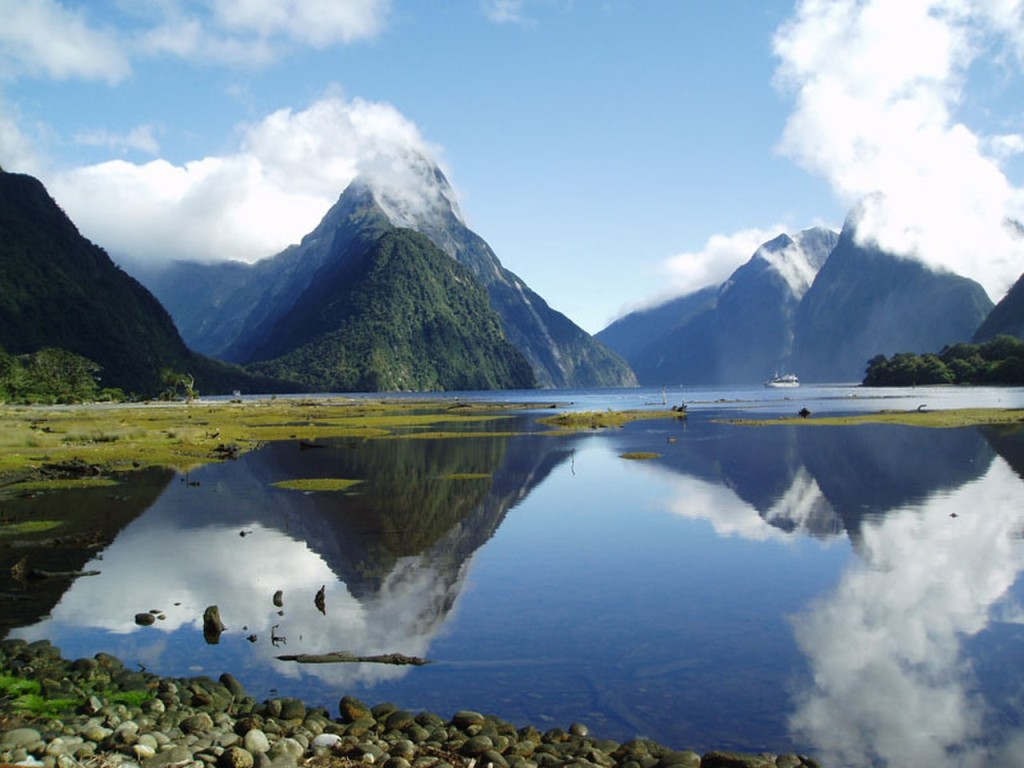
59 290
866 301
1006 317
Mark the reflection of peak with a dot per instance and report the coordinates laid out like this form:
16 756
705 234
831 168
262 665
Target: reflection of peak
803 508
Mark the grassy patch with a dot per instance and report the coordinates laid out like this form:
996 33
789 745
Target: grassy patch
65 483
640 455
12 687
131 698
29 527
317 484
580 420
957 417
185 435
467 476
24 696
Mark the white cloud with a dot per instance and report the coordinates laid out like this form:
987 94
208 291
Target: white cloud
876 120
18 152
62 40
44 37
288 170
504 11
318 23
140 138
711 265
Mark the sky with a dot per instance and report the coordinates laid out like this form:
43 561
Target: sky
613 153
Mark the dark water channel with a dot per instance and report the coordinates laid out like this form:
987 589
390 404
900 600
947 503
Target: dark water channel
850 592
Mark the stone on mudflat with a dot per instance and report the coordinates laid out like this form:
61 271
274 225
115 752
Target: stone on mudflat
683 759
175 756
198 723
21 737
352 709
235 757
292 709
465 718
256 741
722 759
232 683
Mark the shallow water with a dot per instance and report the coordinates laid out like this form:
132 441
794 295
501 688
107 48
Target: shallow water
851 592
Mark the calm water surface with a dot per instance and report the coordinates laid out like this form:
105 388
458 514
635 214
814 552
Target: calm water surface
849 592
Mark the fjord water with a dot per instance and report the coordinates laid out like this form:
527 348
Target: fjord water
850 592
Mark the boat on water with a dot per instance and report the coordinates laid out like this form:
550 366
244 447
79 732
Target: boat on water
783 380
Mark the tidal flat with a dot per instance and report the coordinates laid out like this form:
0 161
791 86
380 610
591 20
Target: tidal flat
53 447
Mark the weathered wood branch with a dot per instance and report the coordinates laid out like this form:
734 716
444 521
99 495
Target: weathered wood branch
339 657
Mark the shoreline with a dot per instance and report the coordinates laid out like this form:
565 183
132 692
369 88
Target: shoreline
95 712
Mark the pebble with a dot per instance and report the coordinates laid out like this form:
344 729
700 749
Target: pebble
205 723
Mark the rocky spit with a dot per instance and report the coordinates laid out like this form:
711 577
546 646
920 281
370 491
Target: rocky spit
201 722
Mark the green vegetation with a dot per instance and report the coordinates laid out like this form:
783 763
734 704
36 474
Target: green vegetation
579 420
120 437
309 484
1000 361
28 526
640 455
400 315
26 696
956 417
467 476
51 376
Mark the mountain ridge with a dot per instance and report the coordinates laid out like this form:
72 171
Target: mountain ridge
560 353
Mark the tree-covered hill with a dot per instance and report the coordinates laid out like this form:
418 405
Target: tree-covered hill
58 290
396 314
999 361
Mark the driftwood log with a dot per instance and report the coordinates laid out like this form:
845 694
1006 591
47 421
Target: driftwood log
340 657
22 571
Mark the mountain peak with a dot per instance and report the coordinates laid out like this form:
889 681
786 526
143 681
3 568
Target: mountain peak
797 259
413 192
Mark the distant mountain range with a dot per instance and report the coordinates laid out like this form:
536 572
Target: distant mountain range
391 291
297 311
817 303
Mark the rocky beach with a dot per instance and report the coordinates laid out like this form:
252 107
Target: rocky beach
95 712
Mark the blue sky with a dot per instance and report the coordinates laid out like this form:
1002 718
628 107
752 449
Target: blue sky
612 152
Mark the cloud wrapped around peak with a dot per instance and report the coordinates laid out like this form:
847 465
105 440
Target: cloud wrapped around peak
288 169
881 91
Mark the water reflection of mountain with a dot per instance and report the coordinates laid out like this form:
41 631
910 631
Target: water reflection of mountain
1008 442
825 481
435 499
89 519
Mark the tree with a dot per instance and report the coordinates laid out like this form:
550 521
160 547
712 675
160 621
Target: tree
177 386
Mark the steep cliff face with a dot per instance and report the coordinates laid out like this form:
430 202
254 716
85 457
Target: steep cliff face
866 301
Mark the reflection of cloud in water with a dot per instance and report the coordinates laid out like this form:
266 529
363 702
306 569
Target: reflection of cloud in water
215 566
729 515
890 684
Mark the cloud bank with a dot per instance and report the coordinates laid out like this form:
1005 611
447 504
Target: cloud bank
61 40
287 170
881 112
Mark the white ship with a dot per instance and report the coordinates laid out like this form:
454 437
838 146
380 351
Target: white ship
783 380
